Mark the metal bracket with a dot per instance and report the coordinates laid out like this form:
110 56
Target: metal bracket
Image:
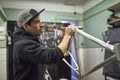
117 52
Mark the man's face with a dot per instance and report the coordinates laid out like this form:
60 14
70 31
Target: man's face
36 27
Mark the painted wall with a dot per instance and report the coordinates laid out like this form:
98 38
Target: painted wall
2 48
3 26
95 21
3 42
94 24
45 16
88 59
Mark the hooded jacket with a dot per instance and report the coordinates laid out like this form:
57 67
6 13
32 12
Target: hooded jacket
30 56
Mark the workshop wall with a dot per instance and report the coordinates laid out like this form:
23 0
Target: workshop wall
2 34
46 16
95 21
2 47
2 28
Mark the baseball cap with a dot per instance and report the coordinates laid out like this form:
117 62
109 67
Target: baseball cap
26 15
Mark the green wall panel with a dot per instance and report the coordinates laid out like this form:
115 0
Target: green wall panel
95 21
46 16
3 24
95 26
60 16
99 8
11 14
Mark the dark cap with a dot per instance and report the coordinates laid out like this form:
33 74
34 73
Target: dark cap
26 15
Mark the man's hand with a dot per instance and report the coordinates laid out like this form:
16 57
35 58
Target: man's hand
69 31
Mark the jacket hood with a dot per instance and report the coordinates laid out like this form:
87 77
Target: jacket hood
20 34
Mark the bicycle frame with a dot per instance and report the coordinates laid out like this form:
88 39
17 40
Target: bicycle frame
115 49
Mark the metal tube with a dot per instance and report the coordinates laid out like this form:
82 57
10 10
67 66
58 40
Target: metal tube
98 41
73 60
70 66
75 45
106 62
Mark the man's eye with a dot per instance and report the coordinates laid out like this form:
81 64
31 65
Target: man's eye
37 21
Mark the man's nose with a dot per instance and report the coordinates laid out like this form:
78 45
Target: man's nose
41 25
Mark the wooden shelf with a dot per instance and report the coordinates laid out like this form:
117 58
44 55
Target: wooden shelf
115 7
115 22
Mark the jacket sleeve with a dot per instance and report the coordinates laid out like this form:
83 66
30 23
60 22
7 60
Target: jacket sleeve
37 53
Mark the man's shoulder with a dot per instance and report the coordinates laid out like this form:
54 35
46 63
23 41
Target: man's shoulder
24 41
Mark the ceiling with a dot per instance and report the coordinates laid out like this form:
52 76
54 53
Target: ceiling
68 2
78 6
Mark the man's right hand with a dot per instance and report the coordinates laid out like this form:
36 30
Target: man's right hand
70 30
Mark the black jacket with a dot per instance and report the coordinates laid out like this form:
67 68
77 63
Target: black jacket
113 36
30 56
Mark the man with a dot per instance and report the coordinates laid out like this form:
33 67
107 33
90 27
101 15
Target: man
29 55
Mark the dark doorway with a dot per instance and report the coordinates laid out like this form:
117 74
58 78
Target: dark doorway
10 29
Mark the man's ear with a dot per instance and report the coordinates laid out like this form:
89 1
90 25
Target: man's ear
25 27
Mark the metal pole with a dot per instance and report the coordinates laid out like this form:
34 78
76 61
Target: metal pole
70 65
98 41
80 71
106 62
